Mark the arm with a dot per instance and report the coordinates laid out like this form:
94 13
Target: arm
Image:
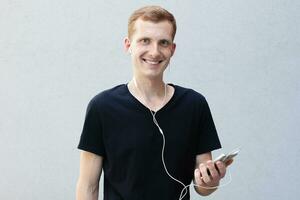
89 176
208 174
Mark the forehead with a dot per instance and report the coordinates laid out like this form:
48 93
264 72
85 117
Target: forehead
159 30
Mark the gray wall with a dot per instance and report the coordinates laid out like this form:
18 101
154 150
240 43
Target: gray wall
56 55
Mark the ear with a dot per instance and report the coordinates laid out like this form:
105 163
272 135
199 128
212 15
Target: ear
173 48
127 44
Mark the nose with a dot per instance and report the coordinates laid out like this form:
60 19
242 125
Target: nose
154 50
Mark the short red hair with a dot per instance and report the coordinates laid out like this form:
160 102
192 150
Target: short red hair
151 13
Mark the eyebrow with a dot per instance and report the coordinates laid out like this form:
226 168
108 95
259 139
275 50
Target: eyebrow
147 38
143 38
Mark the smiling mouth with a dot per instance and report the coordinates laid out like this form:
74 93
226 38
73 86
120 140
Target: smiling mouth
152 62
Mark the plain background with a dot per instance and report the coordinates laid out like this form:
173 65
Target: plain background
56 55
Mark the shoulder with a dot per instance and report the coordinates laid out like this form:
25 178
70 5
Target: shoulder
189 94
108 95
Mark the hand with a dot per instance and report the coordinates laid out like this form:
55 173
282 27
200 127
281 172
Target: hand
209 174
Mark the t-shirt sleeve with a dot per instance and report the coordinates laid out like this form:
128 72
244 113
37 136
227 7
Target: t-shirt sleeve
91 139
208 137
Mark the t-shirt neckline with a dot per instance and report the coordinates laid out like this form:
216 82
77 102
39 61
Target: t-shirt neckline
140 104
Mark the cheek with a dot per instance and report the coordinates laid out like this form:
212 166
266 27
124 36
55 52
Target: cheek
168 52
140 50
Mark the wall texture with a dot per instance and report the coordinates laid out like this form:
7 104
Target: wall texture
56 55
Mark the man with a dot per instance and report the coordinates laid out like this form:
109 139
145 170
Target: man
150 138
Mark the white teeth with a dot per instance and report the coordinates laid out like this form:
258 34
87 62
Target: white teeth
152 62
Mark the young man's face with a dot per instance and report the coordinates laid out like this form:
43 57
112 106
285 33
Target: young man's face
151 48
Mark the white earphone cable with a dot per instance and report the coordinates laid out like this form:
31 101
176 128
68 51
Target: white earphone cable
184 190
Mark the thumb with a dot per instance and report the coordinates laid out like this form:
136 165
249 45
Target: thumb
229 162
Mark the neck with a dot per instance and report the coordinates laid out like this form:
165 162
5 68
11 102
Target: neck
150 88
150 93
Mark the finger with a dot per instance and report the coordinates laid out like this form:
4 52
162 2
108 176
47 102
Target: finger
212 169
203 171
221 167
197 176
229 162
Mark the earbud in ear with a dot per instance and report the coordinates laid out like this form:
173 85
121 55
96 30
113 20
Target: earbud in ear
129 50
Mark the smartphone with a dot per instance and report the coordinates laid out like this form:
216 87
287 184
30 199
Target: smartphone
227 157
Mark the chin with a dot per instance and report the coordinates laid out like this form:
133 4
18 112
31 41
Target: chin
151 72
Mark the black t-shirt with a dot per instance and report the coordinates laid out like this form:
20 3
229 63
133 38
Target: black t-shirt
121 129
